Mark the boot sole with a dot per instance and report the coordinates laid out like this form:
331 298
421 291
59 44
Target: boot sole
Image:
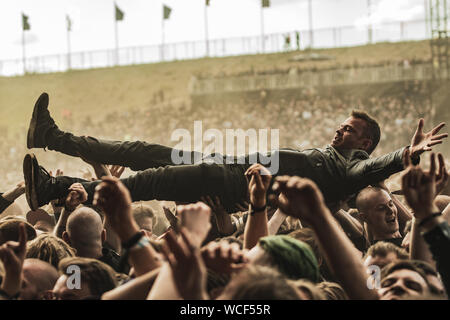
29 165
42 102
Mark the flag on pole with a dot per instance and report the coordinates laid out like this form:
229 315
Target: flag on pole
166 12
207 2
119 13
25 23
69 23
265 3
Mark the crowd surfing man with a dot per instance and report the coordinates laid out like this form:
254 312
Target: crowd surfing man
340 170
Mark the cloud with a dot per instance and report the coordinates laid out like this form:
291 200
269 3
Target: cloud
389 10
29 39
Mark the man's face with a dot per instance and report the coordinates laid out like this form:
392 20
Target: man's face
146 224
350 135
401 283
381 214
62 292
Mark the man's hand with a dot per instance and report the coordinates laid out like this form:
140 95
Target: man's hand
196 219
223 257
188 269
77 195
442 175
116 170
422 142
419 187
172 218
299 198
12 254
115 200
259 177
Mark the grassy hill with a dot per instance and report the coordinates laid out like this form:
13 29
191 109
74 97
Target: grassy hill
89 92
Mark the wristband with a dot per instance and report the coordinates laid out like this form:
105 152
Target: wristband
255 209
143 242
427 219
132 241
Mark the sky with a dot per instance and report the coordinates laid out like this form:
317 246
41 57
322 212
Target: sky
93 21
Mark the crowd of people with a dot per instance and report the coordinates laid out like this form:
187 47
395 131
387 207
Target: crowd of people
284 241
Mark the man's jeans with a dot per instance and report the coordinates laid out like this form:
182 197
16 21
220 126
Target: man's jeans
161 178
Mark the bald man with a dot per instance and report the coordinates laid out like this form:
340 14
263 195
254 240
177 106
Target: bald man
38 277
378 210
85 233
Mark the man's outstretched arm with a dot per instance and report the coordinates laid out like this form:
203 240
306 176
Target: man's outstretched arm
370 171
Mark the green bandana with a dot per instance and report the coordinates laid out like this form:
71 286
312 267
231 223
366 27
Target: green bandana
294 258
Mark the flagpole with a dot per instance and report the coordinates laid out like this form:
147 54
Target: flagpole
23 51
206 29
162 40
68 45
117 38
262 28
311 35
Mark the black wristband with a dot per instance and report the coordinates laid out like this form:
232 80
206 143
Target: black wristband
132 241
255 209
427 219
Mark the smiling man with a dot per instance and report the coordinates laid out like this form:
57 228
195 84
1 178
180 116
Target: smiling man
380 213
340 169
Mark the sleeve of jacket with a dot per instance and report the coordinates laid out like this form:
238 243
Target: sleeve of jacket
438 240
364 172
4 203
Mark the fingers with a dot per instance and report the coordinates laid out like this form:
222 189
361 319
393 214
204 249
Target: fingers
437 128
433 164
407 159
439 137
420 126
23 237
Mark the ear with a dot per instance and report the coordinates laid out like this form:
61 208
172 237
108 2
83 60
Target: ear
65 237
103 236
366 143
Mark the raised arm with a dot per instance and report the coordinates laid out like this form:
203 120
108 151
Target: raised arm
374 170
302 199
256 226
114 199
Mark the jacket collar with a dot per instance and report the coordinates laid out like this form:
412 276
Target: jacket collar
350 154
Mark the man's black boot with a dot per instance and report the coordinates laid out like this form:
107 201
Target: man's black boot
40 186
41 124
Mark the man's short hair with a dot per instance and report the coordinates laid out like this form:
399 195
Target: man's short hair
383 248
372 129
332 290
141 211
99 277
362 197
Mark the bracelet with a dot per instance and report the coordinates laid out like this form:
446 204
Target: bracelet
143 242
132 241
430 217
255 209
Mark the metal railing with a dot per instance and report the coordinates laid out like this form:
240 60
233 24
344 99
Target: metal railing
325 78
323 38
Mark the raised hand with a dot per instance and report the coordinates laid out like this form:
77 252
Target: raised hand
12 254
223 257
196 219
259 177
77 195
172 218
115 200
423 141
419 186
116 170
298 197
188 268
